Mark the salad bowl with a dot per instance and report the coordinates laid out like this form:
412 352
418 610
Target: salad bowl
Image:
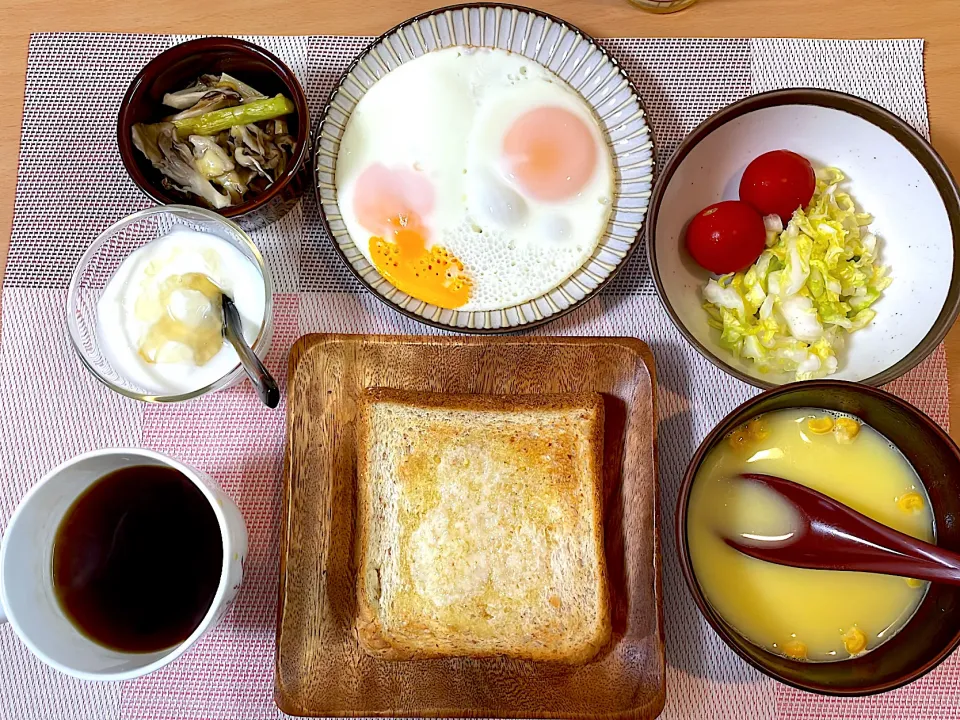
891 172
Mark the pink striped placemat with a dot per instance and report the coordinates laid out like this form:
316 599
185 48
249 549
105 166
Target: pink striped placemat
71 186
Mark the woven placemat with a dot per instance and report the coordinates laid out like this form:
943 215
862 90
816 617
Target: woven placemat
71 185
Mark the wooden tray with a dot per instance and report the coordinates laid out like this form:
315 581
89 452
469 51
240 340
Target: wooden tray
321 670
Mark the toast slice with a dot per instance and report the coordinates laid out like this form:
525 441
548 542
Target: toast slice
480 526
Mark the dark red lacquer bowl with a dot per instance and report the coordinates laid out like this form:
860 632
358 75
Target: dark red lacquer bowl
934 631
177 68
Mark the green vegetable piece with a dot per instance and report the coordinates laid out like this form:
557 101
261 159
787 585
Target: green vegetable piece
815 282
218 120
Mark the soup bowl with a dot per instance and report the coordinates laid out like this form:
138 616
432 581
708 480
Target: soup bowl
934 630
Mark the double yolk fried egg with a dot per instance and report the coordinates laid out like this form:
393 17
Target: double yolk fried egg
474 179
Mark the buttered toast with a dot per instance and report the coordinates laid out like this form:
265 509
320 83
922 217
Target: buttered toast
479 526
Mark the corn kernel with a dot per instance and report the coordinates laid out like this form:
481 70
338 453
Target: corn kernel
910 502
795 649
745 435
855 640
820 426
846 430
738 439
911 582
756 430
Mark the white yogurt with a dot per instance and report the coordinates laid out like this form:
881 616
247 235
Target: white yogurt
127 313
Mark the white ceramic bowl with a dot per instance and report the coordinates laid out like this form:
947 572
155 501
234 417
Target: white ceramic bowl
566 51
27 597
892 172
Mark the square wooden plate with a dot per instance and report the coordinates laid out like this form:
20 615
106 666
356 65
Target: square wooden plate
321 670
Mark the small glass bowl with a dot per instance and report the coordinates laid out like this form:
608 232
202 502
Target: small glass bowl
104 257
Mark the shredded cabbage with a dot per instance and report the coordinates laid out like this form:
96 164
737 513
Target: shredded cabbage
814 283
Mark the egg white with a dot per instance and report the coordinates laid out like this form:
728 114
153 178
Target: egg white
445 114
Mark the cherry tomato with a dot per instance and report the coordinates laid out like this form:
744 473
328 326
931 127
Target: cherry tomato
777 183
726 237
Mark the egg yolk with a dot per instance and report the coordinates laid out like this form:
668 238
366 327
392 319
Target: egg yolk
391 202
384 194
433 275
550 152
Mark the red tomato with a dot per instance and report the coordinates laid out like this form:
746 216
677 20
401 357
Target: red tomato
726 237
777 183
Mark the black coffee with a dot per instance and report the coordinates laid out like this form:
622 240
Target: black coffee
137 559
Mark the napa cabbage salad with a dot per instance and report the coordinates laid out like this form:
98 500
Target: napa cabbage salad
813 284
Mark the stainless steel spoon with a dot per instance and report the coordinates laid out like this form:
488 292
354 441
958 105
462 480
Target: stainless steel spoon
260 377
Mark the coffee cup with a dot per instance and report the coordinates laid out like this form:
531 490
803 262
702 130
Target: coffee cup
29 601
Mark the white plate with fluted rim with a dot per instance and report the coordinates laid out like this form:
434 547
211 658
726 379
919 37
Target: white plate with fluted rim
567 52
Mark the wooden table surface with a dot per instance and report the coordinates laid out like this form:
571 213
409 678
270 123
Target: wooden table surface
933 20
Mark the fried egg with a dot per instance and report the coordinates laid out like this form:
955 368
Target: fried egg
474 179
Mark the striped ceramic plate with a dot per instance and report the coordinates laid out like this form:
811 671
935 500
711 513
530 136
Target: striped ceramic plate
566 51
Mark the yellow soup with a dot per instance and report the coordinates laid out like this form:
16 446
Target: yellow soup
813 615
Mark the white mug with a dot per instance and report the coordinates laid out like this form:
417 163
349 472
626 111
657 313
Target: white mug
26 568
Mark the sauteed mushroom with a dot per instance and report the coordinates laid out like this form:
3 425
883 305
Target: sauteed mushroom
227 134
